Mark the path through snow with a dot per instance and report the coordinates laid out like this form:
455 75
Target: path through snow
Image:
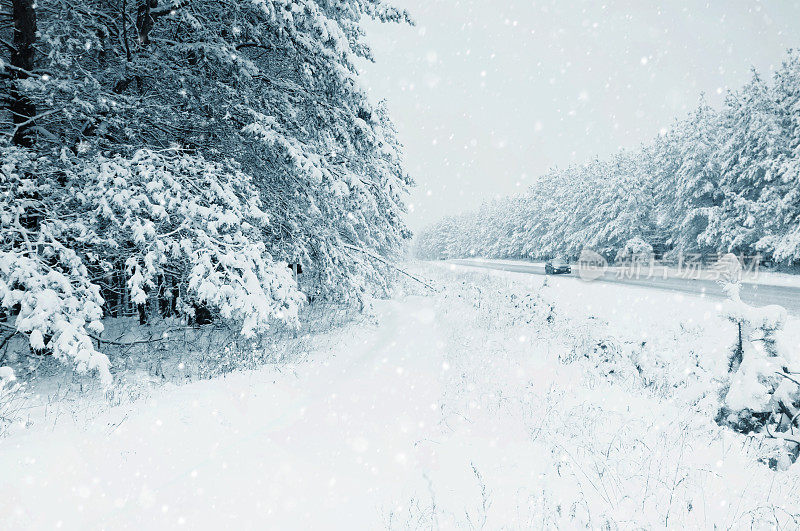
452 411
314 446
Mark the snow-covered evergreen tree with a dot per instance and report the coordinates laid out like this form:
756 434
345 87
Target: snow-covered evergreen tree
192 149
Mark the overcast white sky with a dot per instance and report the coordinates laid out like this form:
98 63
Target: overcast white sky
488 94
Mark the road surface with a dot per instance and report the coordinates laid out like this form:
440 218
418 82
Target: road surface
753 294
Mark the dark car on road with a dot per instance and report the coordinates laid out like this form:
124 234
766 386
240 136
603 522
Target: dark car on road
556 267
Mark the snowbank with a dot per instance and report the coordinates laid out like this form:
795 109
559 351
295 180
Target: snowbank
502 400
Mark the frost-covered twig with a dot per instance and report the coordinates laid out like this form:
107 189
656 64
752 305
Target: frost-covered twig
32 119
486 501
782 436
384 261
779 373
128 343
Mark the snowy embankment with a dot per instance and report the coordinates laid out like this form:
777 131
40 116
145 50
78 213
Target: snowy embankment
503 399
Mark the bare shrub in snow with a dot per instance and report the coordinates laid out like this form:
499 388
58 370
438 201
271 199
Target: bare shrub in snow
9 388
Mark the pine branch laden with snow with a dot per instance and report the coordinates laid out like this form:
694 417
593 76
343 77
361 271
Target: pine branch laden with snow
198 219
162 214
45 290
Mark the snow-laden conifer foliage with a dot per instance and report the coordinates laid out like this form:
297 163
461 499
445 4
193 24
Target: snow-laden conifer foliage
715 182
175 156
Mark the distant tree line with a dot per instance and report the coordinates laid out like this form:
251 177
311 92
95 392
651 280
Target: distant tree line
718 181
173 158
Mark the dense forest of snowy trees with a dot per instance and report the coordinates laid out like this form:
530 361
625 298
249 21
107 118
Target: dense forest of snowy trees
716 182
169 158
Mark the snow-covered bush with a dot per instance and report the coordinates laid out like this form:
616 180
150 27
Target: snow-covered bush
635 250
763 393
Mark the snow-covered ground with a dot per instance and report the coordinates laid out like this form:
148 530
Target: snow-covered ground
502 400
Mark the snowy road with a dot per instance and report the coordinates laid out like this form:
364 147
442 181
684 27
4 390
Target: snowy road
752 293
